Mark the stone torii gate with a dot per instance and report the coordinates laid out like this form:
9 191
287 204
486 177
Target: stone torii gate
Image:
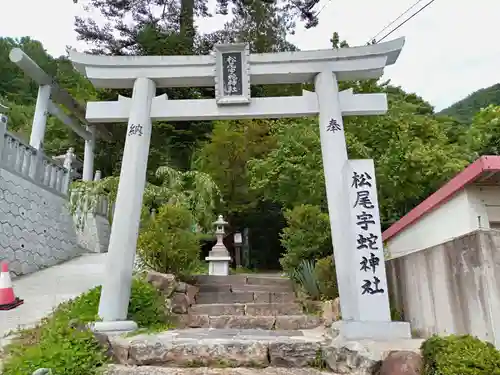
350 185
51 99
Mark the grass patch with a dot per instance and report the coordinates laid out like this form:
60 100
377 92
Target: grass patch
318 362
57 344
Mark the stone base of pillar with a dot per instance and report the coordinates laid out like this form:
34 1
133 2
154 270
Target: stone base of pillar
114 327
379 331
218 265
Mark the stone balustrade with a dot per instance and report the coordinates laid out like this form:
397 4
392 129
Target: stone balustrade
33 165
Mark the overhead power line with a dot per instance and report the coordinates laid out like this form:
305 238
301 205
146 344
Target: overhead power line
323 7
402 23
394 21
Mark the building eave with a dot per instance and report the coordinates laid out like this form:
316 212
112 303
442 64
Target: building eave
473 172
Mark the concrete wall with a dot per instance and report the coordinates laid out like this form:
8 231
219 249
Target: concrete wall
453 287
37 230
94 235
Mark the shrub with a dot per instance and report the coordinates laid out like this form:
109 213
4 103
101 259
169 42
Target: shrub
459 355
327 277
166 242
306 237
57 345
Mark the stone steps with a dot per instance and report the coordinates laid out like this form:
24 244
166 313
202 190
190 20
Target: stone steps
245 297
218 348
152 370
242 280
246 302
253 309
215 287
273 322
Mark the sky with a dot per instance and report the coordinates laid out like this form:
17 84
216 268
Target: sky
451 48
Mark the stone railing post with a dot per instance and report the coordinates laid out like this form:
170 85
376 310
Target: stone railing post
68 160
3 130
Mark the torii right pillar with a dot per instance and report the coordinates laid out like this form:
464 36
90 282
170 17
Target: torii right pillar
355 226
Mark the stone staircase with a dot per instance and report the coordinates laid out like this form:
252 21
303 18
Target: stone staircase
239 325
247 325
247 302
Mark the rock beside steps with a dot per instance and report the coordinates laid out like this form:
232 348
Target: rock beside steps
219 348
247 302
248 352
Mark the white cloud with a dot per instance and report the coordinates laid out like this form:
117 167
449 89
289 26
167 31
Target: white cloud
451 49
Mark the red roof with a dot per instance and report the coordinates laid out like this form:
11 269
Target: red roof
457 183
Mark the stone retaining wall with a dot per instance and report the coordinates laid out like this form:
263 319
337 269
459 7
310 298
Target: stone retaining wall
37 230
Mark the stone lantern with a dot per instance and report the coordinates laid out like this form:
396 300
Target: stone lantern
219 258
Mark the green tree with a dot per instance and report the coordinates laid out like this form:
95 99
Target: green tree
225 157
411 152
410 146
483 136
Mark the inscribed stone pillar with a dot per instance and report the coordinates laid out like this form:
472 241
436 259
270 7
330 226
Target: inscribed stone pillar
369 264
40 117
334 154
115 294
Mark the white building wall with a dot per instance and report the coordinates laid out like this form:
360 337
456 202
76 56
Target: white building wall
452 219
489 198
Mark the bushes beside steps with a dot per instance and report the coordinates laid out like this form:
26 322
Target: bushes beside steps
57 342
459 355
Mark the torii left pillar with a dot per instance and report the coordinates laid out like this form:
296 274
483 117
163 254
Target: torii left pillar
88 156
113 305
40 117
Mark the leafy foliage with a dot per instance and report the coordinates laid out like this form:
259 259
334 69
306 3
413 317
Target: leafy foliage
412 154
195 191
225 157
327 277
167 244
306 237
464 355
483 137
57 344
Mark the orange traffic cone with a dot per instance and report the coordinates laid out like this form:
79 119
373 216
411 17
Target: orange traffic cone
8 300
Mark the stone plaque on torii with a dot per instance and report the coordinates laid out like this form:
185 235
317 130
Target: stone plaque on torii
231 69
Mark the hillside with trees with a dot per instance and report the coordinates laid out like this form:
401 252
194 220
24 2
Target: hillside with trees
464 110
